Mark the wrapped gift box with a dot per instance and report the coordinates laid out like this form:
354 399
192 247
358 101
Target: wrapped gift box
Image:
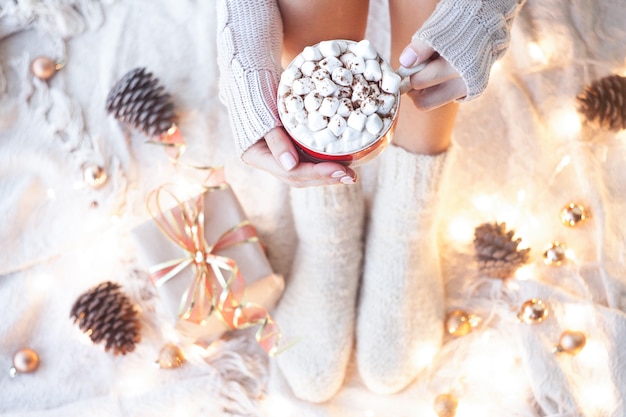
222 212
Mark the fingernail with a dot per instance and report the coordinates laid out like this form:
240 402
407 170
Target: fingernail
347 180
408 58
288 161
337 174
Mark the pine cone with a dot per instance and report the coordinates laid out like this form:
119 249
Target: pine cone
106 313
138 100
603 103
496 251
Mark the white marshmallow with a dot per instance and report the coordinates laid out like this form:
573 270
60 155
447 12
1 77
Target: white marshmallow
320 74
283 89
346 57
302 86
324 137
337 125
374 124
374 89
365 140
386 123
307 68
369 106
386 103
311 53
330 64
355 63
312 101
390 82
326 87
289 120
342 76
365 49
357 120
344 92
336 147
386 67
345 107
289 75
350 134
330 48
372 70
294 104
304 135
359 95
317 121
302 117
329 106
298 61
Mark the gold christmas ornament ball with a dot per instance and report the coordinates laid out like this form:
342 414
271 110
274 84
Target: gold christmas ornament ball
554 255
571 342
533 311
44 68
25 361
573 214
458 323
94 175
445 405
171 356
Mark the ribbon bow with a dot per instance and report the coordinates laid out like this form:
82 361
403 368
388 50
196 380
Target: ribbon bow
218 286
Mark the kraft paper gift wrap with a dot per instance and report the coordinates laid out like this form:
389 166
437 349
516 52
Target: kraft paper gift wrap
222 212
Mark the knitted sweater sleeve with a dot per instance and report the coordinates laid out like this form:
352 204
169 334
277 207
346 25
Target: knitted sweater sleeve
471 35
249 45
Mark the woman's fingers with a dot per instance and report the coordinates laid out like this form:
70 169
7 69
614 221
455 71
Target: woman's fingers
438 95
437 71
304 174
282 148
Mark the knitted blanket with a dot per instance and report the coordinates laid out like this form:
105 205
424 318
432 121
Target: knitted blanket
520 154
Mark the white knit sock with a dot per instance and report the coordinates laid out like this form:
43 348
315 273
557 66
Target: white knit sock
400 314
318 306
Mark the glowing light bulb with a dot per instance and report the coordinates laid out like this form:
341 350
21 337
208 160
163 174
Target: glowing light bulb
525 272
569 254
423 356
483 202
461 231
566 122
536 53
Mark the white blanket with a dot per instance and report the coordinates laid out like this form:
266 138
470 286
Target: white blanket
520 154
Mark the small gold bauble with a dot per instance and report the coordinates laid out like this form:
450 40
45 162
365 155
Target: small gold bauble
44 68
25 360
554 255
458 323
572 342
170 357
573 214
533 311
94 175
445 405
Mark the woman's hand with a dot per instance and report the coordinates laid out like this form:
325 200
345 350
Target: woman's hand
437 84
277 155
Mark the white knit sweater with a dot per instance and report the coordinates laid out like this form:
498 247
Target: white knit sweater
470 34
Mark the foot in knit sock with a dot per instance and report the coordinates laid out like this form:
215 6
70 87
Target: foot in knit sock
318 306
400 313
